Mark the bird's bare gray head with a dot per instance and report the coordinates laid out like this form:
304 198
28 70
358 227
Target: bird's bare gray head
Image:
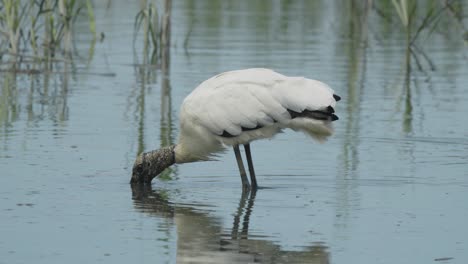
150 164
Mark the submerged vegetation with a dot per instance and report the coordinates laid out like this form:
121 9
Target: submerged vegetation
43 29
156 28
37 31
420 19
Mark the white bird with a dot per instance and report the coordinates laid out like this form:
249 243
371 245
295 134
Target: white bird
237 107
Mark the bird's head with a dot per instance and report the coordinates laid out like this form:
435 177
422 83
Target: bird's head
150 164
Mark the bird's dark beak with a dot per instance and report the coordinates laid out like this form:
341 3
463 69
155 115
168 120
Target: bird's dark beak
138 170
136 177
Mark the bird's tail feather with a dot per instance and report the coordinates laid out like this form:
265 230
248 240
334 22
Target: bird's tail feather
319 130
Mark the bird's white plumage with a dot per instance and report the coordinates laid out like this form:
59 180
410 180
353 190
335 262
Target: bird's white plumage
250 98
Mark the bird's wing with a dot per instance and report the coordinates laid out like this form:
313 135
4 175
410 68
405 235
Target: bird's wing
238 101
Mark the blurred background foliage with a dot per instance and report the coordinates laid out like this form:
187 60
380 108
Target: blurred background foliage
38 31
42 30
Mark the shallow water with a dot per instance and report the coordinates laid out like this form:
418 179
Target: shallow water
389 187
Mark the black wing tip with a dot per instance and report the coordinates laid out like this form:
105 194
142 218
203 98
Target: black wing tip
337 97
327 114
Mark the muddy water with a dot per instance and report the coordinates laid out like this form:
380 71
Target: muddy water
389 187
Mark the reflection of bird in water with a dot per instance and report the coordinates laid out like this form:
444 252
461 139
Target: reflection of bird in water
201 237
237 107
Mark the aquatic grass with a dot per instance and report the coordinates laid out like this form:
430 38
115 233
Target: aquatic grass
416 17
156 30
454 8
148 18
60 17
92 19
414 24
402 11
12 19
39 29
419 20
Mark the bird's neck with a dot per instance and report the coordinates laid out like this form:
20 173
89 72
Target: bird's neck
159 159
185 153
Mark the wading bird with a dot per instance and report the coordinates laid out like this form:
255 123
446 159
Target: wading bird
237 107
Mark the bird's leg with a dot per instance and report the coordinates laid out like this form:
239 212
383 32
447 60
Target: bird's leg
245 181
253 180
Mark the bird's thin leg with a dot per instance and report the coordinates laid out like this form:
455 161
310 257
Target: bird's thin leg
245 181
253 180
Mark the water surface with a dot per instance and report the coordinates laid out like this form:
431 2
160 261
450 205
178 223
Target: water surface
389 187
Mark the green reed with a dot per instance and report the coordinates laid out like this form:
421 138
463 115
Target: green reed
156 29
419 17
31 27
